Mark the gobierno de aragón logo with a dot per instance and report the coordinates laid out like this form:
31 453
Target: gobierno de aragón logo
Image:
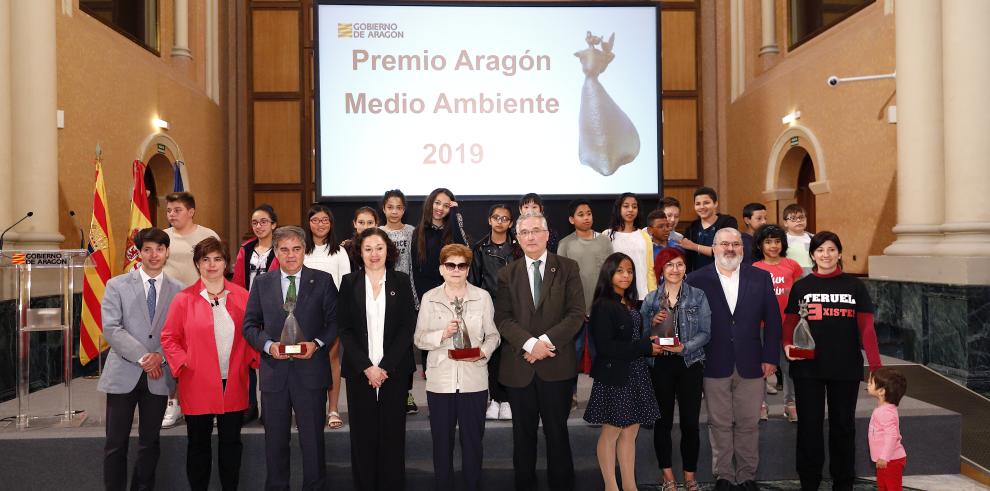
370 30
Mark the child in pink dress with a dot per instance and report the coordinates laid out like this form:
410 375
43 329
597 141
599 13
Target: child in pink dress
888 386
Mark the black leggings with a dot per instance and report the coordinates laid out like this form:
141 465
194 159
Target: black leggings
672 380
811 396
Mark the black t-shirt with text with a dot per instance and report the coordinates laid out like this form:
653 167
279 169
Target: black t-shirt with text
833 303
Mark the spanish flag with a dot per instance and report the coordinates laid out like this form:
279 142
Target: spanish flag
98 273
140 218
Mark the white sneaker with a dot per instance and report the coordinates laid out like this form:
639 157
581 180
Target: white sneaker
173 414
492 412
505 411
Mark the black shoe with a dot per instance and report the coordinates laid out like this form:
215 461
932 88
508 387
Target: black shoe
724 485
749 486
250 415
411 407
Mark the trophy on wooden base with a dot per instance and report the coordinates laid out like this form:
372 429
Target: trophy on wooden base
804 344
290 342
666 331
462 340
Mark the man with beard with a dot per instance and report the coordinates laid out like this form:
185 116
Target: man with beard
737 358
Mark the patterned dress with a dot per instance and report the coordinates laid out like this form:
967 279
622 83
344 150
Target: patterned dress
632 403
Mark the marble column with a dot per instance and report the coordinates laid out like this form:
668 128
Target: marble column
769 28
5 163
180 46
965 80
33 135
920 167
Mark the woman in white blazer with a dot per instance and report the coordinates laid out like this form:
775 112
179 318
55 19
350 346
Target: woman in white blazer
456 390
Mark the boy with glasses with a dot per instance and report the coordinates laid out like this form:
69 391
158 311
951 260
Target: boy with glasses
798 238
489 255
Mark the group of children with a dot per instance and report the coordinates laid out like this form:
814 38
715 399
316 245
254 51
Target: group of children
781 250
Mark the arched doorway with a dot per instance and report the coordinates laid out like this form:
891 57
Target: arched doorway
805 197
158 176
796 173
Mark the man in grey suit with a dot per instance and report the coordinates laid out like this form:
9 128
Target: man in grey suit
293 384
539 309
134 308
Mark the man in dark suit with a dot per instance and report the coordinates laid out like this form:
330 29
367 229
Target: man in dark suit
134 308
539 309
293 383
736 358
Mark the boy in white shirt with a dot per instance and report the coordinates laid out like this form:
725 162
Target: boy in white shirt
798 238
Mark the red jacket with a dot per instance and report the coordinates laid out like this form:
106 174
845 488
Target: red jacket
191 350
242 265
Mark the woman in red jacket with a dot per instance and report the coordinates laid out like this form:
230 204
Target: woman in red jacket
206 352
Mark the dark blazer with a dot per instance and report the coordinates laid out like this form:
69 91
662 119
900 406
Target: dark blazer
735 341
316 312
400 325
559 316
612 330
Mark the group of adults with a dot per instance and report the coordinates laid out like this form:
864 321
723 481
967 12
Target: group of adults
206 335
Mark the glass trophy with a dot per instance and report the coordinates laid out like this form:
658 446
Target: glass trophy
462 340
804 343
291 338
666 331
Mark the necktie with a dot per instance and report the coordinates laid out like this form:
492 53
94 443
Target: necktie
152 299
537 282
290 295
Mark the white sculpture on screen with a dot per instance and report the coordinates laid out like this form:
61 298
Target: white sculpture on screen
607 138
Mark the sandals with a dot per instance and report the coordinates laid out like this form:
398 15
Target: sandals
668 486
333 421
691 485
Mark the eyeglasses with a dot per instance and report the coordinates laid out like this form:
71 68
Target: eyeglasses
501 218
729 245
320 221
796 218
264 222
674 266
536 232
456 266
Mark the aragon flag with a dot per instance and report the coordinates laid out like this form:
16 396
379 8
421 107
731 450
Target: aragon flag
97 274
140 217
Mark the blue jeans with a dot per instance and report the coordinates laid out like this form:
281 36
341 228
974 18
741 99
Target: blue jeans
582 340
